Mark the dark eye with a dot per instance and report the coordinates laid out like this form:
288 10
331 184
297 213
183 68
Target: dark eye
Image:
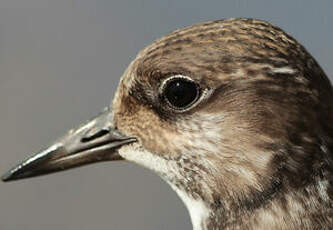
181 93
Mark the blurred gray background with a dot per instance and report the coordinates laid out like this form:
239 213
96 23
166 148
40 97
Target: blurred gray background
60 62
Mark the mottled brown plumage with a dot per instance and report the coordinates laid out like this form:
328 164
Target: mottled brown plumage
255 148
273 104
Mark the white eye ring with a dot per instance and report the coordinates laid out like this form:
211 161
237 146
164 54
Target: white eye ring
178 76
201 93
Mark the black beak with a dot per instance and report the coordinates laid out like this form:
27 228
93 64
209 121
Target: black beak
95 141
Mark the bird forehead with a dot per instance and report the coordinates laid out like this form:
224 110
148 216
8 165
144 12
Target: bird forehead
231 34
214 51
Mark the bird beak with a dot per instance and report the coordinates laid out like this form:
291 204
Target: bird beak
92 142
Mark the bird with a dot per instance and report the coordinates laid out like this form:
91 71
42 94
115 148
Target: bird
234 114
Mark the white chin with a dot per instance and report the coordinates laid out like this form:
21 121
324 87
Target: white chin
139 155
168 170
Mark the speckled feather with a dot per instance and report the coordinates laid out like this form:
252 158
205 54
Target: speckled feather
256 151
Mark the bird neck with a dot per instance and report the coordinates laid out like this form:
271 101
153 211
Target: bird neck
274 209
290 200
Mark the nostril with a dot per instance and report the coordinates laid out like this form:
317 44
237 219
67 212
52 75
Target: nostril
96 135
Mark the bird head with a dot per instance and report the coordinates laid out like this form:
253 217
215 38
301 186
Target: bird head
231 113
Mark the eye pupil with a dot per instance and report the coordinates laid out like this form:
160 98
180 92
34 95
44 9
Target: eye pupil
181 93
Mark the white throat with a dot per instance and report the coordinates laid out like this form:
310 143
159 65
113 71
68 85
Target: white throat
198 210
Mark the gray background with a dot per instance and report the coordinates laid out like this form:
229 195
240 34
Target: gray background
60 62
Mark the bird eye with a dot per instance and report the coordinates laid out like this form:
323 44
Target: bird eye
181 93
